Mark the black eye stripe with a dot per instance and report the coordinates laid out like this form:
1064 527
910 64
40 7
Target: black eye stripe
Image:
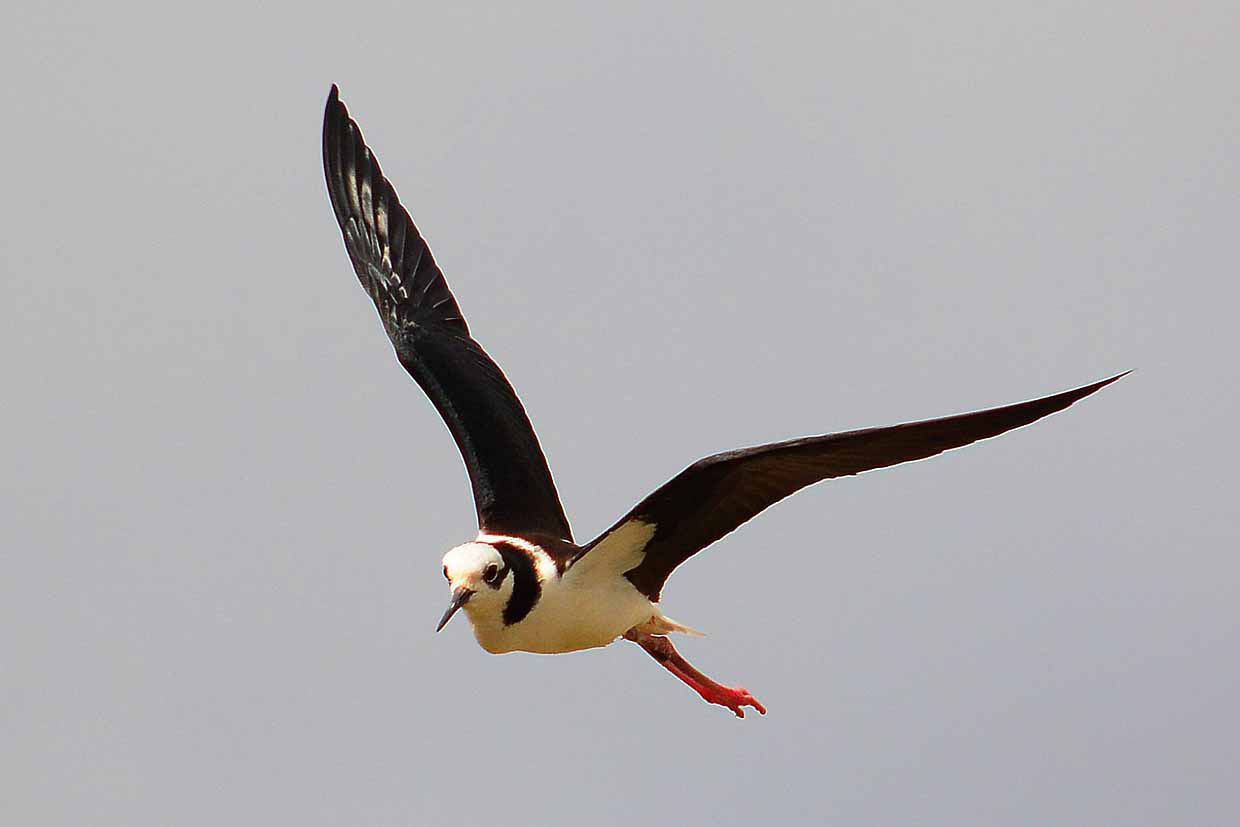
525 586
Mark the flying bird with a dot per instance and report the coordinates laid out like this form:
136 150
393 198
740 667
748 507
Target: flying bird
523 582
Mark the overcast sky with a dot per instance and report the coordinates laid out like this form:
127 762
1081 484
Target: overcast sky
679 230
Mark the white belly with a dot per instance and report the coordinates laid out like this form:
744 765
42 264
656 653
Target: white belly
571 615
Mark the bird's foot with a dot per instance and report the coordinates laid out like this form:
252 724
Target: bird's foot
661 649
733 697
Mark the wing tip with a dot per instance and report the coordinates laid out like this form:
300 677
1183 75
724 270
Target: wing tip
1060 401
1086 390
333 102
334 111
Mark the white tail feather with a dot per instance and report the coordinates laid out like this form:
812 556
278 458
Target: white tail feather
661 624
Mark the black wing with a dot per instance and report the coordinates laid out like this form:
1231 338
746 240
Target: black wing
715 495
513 489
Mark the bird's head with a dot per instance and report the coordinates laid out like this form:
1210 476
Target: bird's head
480 582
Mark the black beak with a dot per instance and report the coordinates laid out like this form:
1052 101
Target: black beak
459 598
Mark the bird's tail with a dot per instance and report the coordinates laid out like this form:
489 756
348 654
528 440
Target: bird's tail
662 624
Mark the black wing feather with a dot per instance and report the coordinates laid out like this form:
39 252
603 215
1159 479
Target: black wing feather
513 489
715 495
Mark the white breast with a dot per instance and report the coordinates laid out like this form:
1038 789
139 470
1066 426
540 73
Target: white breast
571 614
590 606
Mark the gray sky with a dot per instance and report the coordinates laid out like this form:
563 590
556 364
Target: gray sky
679 231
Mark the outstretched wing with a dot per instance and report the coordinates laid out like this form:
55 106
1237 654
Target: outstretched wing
713 496
513 489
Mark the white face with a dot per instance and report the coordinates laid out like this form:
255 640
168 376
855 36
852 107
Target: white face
480 570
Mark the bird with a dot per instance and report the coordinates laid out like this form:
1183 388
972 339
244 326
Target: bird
523 582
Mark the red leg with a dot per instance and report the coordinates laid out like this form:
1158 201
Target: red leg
662 650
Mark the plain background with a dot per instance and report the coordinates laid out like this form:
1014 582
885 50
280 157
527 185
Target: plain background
680 230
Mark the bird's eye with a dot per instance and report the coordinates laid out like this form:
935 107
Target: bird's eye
445 573
491 574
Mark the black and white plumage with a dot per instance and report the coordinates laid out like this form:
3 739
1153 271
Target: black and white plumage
523 582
